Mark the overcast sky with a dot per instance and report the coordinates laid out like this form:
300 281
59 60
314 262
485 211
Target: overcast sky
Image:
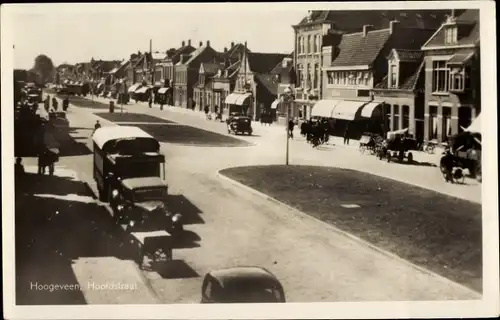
76 33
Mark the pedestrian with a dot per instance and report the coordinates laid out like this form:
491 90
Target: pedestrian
41 160
19 167
206 111
346 135
96 126
291 125
150 100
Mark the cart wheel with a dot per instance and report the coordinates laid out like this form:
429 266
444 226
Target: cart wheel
410 157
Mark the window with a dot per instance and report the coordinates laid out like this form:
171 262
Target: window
433 123
446 124
439 76
300 74
318 43
359 78
396 118
450 35
406 116
316 75
309 47
315 43
459 79
393 76
307 75
367 78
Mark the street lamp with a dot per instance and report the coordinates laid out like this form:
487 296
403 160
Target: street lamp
287 99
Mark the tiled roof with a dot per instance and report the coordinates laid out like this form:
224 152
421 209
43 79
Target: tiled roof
353 20
268 82
468 30
263 62
356 49
195 54
278 69
182 50
407 80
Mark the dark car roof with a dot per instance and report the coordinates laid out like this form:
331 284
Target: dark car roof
143 182
234 275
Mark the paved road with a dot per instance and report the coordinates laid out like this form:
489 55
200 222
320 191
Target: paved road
235 227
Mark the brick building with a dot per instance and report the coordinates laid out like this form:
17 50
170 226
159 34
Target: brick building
186 73
323 27
452 76
352 68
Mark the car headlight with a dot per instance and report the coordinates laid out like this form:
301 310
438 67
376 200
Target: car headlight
120 207
131 223
114 193
176 218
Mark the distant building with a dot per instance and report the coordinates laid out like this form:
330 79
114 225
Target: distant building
452 76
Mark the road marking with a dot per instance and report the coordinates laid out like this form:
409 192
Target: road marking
350 206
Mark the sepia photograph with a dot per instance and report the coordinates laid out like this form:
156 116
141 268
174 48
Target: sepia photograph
257 161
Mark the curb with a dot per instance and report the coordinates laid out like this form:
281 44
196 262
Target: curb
305 216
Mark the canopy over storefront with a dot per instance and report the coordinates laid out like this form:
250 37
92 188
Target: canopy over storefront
275 104
324 108
461 58
163 90
347 110
134 87
475 126
370 109
143 89
238 99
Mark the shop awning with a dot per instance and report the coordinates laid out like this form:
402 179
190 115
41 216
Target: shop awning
238 99
134 87
475 126
369 109
142 90
275 104
324 108
347 110
163 90
461 58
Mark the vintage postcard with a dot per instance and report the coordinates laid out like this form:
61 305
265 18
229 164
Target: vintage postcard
249 160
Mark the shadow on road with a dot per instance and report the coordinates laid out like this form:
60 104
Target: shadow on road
178 203
82 102
131 117
174 269
56 223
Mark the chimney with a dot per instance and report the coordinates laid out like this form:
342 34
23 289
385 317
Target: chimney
232 45
225 49
452 14
183 43
367 28
393 25
208 43
189 42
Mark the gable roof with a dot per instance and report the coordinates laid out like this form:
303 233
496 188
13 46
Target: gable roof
187 49
278 69
353 20
211 68
269 82
408 55
356 49
263 62
468 31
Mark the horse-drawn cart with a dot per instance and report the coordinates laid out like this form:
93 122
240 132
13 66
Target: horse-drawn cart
398 145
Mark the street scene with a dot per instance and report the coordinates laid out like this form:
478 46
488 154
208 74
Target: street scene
346 169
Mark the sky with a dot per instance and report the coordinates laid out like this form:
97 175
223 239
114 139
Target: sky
76 33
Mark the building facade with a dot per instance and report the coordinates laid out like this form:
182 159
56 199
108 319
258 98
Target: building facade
353 68
324 27
452 76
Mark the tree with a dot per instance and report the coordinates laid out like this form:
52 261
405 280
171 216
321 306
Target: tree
43 68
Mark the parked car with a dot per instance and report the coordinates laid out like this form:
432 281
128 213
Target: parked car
241 285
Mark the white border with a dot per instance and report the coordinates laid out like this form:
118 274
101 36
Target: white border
488 306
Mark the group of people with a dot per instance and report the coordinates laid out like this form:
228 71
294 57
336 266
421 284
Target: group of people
208 115
316 132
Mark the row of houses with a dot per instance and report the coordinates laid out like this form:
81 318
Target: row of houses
368 70
388 70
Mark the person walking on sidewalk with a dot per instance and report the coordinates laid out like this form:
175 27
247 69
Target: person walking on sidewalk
96 126
346 135
150 100
291 126
206 112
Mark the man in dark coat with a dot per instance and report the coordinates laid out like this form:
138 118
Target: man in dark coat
291 126
346 135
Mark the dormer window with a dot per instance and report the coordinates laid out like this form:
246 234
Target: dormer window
393 75
451 34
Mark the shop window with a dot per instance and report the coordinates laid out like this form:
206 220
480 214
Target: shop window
406 117
446 123
396 116
433 123
440 73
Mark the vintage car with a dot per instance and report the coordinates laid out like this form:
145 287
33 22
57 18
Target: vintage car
397 146
137 201
239 124
241 285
